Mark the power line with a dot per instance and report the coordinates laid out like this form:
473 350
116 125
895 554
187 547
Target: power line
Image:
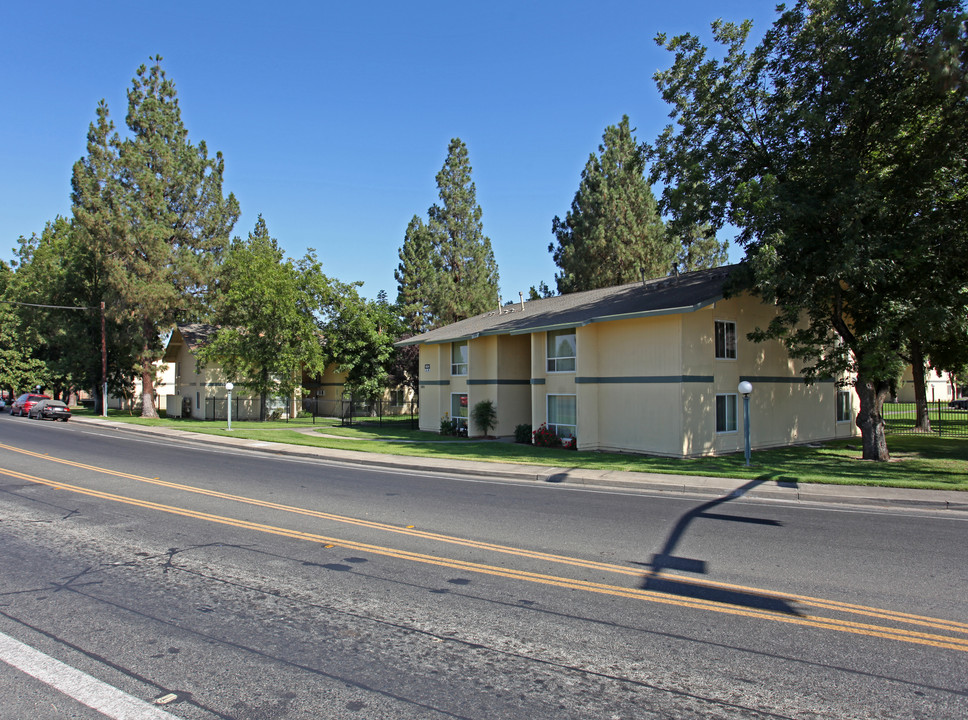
55 307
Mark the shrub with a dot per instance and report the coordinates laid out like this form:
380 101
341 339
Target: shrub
484 416
448 426
522 434
544 437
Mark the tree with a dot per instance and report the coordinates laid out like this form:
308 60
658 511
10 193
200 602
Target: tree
447 270
541 292
266 310
152 207
19 369
359 338
613 233
837 147
484 416
415 276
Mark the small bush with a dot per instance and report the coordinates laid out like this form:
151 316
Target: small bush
485 416
544 437
522 434
448 426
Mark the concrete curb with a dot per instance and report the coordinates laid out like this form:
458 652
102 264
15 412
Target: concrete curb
685 485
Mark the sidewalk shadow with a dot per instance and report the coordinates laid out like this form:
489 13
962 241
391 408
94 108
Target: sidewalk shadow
699 590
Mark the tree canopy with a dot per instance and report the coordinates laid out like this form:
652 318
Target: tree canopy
447 270
150 210
266 310
837 147
613 233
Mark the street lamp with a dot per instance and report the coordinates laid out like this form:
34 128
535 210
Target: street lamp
745 389
228 389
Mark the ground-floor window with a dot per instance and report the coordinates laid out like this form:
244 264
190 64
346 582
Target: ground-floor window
844 410
726 413
458 409
562 418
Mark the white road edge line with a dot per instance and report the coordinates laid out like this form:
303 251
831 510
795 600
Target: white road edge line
90 691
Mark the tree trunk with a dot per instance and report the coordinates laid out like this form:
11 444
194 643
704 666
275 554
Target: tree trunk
923 422
870 417
148 393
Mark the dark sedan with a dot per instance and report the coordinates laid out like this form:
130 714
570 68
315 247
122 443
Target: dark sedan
50 410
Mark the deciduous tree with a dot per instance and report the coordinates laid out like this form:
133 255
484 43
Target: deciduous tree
266 311
837 146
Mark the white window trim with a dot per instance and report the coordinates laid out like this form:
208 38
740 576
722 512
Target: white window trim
548 422
736 417
549 359
465 365
735 340
461 421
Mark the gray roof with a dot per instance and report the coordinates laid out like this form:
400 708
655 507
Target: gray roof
661 296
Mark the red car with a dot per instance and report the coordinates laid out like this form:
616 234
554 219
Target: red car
21 406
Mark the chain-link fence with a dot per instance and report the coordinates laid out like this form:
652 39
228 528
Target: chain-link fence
948 419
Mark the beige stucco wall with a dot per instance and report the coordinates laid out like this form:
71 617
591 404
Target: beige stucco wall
645 385
936 388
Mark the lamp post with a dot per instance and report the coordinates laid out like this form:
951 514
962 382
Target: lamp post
228 404
745 389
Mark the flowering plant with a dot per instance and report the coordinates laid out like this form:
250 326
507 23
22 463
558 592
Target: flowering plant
545 437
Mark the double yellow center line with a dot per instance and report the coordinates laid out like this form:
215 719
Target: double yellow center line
951 635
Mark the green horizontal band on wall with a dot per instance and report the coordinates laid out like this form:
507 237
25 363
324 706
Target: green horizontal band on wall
498 382
434 382
780 379
537 381
644 379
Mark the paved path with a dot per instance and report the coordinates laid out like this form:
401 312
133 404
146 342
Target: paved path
882 497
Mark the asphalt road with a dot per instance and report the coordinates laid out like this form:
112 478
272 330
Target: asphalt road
241 585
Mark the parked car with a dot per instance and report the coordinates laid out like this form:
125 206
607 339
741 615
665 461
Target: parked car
21 406
960 404
49 410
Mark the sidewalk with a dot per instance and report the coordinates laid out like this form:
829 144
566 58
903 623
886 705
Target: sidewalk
875 497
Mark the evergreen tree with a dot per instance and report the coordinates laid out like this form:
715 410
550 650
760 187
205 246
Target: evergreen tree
265 309
613 233
152 208
447 270
415 278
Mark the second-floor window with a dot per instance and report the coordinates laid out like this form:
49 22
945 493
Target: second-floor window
458 358
725 339
561 350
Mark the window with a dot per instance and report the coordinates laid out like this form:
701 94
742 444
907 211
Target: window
396 396
844 410
198 401
725 340
458 358
725 413
561 350
562 418
458 409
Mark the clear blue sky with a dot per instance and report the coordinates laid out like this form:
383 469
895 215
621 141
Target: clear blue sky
334 118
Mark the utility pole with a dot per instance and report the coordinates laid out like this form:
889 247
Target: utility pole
104 365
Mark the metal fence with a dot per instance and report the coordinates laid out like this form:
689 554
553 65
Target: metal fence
948 419
216 408
351 411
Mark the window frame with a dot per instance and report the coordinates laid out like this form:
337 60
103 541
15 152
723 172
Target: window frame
844 394
456 367
553 426
728 399
461 420
552 361
727 346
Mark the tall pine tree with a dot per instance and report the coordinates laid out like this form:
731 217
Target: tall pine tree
613 233
152 205
456 276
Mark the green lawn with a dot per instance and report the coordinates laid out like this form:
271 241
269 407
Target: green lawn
917 461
